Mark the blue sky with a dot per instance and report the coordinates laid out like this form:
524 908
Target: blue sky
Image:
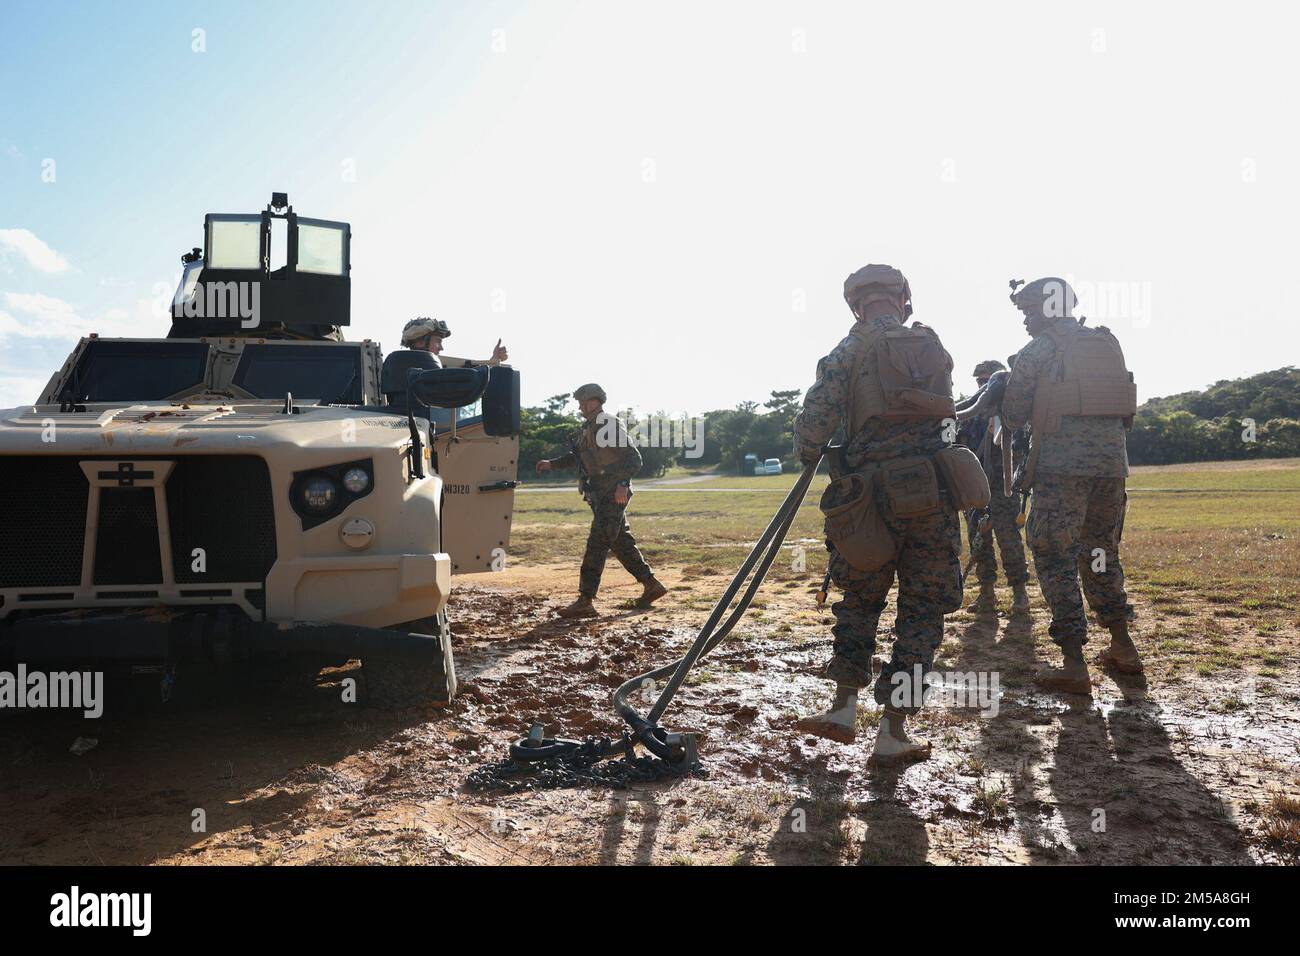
666 198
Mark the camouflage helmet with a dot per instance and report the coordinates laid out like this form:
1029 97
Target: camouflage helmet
988 367
590 390
1050 297
419 327
884 282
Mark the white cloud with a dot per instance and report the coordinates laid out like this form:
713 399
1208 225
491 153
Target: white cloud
46 317
19 390
37 332
27 244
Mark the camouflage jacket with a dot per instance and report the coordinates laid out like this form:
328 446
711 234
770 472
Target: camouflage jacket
1085 446
826 405
608 453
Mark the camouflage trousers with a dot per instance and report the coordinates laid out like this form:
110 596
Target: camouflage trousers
609 532
1074 529
1002 511
928 567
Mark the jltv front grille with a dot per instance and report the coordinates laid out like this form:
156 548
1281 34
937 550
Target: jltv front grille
126 549
42 521
221 504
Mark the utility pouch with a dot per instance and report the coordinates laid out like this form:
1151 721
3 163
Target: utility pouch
911 487
854 525
964 476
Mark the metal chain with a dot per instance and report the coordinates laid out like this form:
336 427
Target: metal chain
585 766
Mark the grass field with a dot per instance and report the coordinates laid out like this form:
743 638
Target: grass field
1217 544
1240 515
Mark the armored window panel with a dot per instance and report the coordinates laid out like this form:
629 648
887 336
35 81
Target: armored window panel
129 371
234 242
322 247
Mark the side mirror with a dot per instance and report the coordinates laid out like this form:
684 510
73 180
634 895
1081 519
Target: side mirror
501 403
448 387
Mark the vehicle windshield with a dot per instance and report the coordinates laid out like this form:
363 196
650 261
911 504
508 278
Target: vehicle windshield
327 372
137 371
466 415
115 371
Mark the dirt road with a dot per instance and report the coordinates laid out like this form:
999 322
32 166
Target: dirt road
1183 772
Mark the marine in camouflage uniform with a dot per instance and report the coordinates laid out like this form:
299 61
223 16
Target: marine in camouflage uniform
977 435
927 561
607 460
1076 516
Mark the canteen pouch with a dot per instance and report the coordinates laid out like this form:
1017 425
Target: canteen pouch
911 487
963 475
854 525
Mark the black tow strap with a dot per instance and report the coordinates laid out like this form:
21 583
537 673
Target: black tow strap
675 750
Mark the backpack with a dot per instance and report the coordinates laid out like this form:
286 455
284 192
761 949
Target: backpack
902 374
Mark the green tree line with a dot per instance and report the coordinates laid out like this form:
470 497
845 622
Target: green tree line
729 434
1254 417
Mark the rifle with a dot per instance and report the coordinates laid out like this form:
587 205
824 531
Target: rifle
826 585
1020 447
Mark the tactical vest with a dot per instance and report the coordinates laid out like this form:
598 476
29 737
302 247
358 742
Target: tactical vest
902 374
1091 379
1087 378
597 459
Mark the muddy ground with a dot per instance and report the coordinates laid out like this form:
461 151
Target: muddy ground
1195 769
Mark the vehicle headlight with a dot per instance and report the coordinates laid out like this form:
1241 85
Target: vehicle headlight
356 480
319 494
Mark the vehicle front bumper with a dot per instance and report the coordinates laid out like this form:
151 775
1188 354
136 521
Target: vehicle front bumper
180 634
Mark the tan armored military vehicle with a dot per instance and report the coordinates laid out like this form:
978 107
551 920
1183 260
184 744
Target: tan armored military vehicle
253 487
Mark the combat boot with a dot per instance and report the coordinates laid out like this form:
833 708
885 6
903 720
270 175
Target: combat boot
654 590
1072 677
986 602
1020 599
579 608
894 748
1122 654
840 722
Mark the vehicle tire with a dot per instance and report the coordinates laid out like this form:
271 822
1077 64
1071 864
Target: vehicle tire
402 680
289 677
